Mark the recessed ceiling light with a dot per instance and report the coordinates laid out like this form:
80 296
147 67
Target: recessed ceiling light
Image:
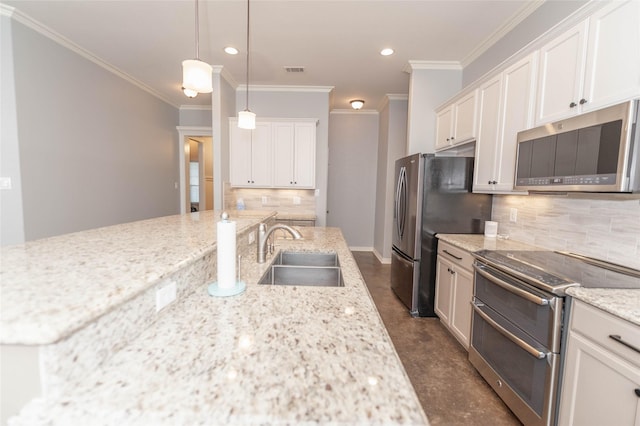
231 50
386 52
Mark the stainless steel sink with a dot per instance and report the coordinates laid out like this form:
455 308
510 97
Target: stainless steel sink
304 268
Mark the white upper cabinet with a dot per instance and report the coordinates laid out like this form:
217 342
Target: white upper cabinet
593 65
457 123
560 76
294 158
613 55
278 153
506 105
250 155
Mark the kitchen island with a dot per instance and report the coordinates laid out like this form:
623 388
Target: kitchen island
271 355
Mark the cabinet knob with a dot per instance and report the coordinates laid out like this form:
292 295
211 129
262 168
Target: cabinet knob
637 391
573 105
452 138
448 139
494 182
583 101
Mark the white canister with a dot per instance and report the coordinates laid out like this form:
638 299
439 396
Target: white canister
491 229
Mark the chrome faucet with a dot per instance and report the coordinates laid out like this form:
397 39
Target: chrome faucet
264 234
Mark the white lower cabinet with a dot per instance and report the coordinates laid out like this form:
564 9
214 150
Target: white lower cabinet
601 380
454 290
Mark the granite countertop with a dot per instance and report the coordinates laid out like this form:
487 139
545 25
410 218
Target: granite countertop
271 355
54 286
623 303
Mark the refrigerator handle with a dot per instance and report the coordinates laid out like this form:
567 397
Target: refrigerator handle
403 202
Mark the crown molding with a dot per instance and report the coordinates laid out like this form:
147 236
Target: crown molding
493 38
389 97
414 65
268 88
58 38
195 107
222 71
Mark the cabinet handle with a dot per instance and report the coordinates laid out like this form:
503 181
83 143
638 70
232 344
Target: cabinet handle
618 339
583 101
452 255
573 105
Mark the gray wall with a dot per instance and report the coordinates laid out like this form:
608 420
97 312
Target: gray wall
275 103
549 14
95 149
11 215
353 141
391 146
195 116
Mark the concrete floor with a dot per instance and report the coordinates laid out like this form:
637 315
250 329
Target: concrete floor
449 388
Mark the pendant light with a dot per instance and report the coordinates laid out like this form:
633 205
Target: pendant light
196 74
247 119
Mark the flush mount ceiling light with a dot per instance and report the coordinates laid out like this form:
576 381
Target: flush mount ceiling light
386 52
196 74
247 119
357 104
231 50
189 93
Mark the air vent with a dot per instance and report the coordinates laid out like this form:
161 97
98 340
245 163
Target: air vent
294 69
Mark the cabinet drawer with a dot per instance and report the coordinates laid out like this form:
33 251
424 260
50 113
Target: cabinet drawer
456 255
598 325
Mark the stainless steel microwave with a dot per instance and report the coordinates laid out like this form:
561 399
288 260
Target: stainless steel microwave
593 152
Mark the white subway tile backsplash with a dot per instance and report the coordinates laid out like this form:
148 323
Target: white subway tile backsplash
604 229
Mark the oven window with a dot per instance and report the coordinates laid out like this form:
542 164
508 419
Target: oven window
535 320
523 373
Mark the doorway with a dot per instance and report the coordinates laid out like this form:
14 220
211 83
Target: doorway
196 157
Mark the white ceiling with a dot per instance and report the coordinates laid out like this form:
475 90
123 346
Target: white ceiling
337 42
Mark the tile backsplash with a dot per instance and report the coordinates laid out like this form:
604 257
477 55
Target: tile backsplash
281 200
607 229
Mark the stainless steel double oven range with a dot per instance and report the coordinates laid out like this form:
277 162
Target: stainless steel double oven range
520 310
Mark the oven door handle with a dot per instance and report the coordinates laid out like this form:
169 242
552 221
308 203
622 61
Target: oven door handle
522 293
521 343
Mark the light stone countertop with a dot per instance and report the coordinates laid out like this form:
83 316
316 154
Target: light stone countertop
55 286
624 303
271 355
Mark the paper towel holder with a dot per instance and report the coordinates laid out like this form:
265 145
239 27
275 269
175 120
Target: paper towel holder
215 290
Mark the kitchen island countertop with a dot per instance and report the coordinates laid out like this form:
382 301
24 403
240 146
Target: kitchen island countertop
623 303
271 355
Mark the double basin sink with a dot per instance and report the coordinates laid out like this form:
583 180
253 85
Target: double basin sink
304 268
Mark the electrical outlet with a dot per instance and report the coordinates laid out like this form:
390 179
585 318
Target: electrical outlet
513 215
265 200
252 237
5 183
165 296
296 200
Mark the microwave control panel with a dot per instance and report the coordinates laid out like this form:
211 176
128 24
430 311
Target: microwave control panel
604 179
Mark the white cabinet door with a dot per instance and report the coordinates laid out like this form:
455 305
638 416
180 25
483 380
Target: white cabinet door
506 107
294 154
465 119
488 143
444 128
261 159
444 288
305 155
283 153
598 387
560 75
613 55
250 156
461 305
239 155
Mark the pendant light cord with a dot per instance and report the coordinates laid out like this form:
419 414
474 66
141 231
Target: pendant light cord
197 33
247 104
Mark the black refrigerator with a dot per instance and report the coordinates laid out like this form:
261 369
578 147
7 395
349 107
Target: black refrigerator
444 203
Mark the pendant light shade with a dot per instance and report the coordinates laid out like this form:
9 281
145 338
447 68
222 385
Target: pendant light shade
196 75
246 118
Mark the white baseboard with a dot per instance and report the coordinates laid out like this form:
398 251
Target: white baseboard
361 248
383 260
